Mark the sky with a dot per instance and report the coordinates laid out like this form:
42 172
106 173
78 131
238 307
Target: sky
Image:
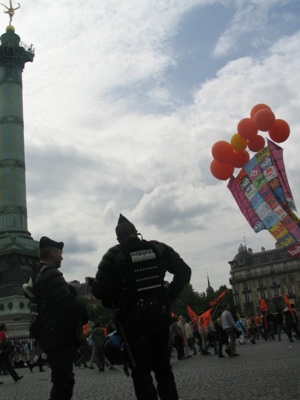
122 105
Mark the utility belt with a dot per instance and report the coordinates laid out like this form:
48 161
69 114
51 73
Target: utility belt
147 307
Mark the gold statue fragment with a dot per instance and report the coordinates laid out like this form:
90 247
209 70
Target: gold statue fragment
10 10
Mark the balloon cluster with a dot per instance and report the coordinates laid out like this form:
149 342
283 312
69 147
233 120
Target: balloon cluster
228 156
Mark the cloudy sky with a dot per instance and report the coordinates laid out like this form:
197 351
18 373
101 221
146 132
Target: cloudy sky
122 105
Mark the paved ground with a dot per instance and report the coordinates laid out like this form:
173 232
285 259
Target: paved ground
265 371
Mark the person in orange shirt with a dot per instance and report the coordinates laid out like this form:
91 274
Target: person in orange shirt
5 361
258 322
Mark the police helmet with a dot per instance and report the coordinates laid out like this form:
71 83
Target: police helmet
113 348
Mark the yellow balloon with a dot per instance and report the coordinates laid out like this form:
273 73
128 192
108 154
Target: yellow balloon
238 143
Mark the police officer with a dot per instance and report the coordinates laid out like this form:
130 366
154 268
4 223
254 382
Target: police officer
60 316
130 278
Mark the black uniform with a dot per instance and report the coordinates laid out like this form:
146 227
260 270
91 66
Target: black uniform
60 315
131 276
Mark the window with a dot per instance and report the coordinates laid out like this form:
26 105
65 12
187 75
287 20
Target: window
257 260
290 290
260 283
288 279
271 256
245 284
276 292
274 280
262 294
285 266
272 269
247 297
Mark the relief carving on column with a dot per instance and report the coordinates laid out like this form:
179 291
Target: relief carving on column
12 209
12 163
11 119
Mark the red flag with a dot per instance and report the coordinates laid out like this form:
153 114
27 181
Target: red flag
220 297
193 316
288 304
206 317
263 305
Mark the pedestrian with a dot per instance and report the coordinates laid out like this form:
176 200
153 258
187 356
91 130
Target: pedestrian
5 348
181 324
177 337
222 336
240 325
291 322
228 324
279 324
98 337
82 351
37 359
130 277
252 330
189 335
271 325
91 352
60 315
258 324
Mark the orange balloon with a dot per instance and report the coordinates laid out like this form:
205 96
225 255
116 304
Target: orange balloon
237 142
222 171
222 151
240 158
256 143
280 131
246 128
264 119
258 107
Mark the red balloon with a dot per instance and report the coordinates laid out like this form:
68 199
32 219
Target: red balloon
222 171
264 119
246 128
240 158
222 151
280 131
258 107
256 143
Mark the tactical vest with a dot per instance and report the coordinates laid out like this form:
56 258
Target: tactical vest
142 274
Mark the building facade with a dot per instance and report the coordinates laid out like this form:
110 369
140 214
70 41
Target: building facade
268 274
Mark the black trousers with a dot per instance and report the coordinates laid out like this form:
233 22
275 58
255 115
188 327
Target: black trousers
5 363
61 363
151 353
58 342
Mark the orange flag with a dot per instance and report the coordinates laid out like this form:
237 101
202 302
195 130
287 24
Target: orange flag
263 305
193 316
85 329
206 317
288 304
220 297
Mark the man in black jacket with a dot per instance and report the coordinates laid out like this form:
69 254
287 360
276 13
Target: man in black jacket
60 317
130 278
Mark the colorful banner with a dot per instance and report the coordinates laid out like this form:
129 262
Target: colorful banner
262 192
